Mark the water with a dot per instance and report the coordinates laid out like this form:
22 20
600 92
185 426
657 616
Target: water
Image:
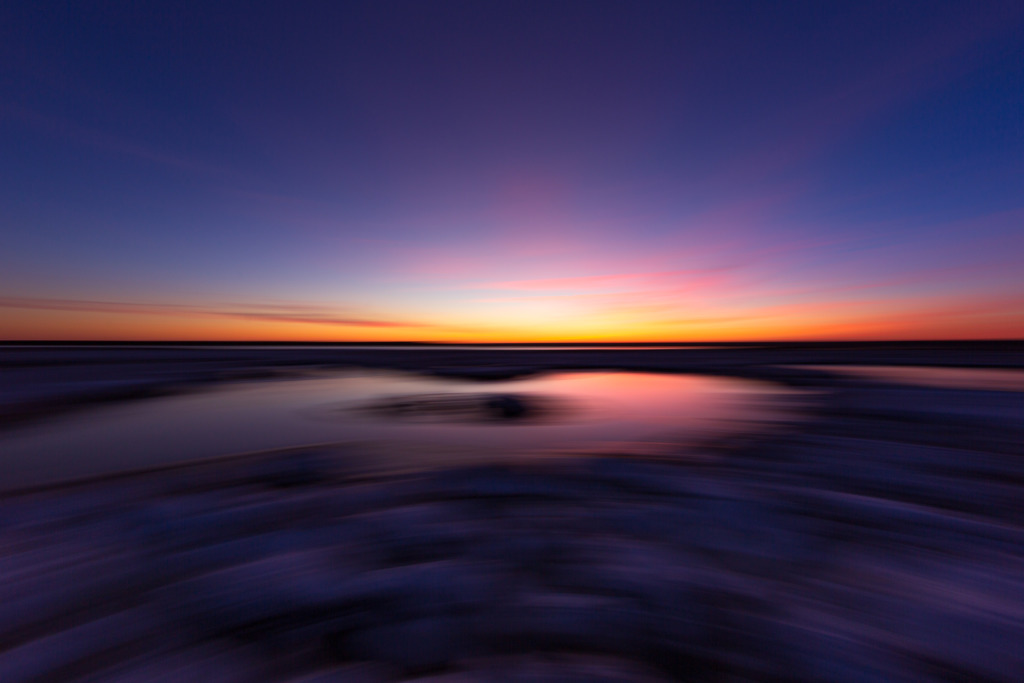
576 412
386 347
986 379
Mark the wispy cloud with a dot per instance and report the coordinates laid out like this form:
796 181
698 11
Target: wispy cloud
318 319
44 304
271 312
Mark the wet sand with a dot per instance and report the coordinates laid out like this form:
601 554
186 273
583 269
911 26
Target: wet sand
879 537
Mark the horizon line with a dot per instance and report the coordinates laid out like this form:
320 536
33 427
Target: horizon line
222 342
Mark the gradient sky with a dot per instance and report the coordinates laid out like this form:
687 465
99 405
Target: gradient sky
512 171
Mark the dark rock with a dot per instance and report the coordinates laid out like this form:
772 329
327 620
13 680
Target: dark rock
484 372
508 406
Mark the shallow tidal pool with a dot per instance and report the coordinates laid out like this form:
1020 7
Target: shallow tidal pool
450 421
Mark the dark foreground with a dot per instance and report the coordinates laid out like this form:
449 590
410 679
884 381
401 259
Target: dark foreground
880 537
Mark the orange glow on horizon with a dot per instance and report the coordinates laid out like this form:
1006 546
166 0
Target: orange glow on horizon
819 322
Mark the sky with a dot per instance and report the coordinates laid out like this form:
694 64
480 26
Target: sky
512 170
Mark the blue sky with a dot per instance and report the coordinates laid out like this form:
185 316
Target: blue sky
511 170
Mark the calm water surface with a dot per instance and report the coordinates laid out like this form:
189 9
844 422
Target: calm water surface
984 379
590 412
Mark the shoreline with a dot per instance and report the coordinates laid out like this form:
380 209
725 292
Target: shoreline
879 540
39 382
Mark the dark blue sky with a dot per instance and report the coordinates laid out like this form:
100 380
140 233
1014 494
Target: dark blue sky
511 170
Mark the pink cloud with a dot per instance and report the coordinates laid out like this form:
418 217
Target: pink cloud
644 280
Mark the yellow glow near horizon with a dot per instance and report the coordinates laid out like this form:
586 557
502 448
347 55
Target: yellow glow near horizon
815 323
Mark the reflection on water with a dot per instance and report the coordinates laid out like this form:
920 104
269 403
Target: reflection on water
989 379
642 412
394 347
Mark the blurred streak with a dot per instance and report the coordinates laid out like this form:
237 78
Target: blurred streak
873 534
285 313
